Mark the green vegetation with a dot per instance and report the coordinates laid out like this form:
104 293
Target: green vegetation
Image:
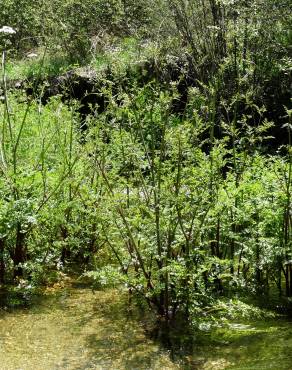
148 146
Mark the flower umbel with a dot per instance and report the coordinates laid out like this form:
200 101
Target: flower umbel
7 30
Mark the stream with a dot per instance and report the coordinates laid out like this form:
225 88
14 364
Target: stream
75 328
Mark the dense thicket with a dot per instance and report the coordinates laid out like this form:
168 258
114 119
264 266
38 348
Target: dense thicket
170 189
77 27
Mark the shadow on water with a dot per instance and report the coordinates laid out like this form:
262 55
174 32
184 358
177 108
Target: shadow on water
75 328
12 298
257 344
121 339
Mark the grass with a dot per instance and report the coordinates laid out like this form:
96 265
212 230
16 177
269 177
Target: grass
33 63
118 57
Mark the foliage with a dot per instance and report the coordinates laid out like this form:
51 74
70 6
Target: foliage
179 204
76 27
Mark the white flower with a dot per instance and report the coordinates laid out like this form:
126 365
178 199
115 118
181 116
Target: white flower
31 55
7 30
214 28
31 220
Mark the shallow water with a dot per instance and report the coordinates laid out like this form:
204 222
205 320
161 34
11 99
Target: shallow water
76 329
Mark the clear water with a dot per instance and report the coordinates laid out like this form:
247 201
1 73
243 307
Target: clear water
76 329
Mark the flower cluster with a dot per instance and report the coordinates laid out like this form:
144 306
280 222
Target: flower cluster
7 30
